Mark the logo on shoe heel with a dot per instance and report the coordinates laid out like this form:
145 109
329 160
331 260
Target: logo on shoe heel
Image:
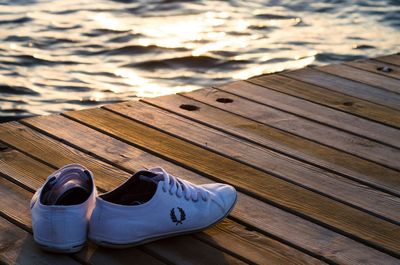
173 216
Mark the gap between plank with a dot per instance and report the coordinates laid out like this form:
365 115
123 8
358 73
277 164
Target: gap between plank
225 250
260 169
295 135
285 208
309 118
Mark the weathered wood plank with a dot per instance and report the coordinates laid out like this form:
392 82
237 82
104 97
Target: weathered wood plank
9 161
330 98
362 76
25 139
238 237
186 250
314 178
346 86
15 204
93 254
17 208
353 167
225 238
290 228
376 67
331 113
349 143
392 59
17 247
364 227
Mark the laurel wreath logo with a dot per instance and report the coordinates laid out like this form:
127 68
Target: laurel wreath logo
182 216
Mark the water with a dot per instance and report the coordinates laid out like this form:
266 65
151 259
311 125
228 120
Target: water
65 55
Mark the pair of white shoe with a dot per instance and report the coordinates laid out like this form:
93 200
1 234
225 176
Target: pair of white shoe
150 205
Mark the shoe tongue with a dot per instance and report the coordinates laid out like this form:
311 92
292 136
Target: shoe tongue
149 176
72 181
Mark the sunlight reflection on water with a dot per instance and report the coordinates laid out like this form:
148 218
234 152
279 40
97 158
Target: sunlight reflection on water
63 55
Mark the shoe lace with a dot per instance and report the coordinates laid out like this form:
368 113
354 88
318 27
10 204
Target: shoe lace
181 187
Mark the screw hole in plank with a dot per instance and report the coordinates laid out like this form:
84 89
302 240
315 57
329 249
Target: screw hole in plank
224 100
189 107
385 69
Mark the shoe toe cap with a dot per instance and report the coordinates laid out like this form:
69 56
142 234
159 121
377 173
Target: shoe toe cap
225 195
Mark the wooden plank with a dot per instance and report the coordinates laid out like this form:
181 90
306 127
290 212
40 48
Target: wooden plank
346 86
225 238
392 59
376 67
18 247
371 230
316 112
22 138
93 254
9 161
15 204
362 76
261 248
330 99
314 178
29 172
349 143
353 167
290 228
17 208
186 250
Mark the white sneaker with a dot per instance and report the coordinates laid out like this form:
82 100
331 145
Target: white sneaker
61 209
152 205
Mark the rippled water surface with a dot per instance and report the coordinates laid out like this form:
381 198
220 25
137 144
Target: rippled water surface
64 55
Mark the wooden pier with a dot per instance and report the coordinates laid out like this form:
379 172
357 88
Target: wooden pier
314 154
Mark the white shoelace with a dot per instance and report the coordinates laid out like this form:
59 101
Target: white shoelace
181 187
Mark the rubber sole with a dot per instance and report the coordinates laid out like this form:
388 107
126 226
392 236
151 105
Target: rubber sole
107 244
72 249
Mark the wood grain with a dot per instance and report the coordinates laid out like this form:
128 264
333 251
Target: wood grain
372 79
346 86
18 209
281 224
44 148
376 67
329 98
17 247
259 255
371 230
284 93
288 227
313 152
302 174
350 166
33 172
392 59
349 143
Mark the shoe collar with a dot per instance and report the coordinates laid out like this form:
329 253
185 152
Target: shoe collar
100 202
36 197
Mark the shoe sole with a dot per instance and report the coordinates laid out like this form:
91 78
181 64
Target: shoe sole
61 250
107 244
